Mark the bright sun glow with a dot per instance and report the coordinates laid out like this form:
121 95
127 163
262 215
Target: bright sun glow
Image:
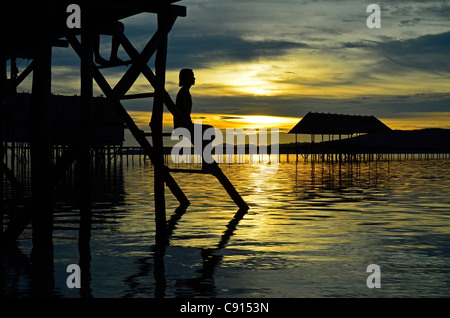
266 120
223 121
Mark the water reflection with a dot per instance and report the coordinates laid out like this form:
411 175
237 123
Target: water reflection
344 175
72 219
202 284
82 211
311 231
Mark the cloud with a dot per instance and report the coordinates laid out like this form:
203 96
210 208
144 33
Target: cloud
409 22
427 53
426 44
323 44
200 51
290 106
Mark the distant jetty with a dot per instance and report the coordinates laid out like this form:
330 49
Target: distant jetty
367 139
430 143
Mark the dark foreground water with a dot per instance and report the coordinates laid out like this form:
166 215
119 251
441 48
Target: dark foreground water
312 231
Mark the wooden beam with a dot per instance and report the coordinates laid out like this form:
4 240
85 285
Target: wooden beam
149 75
12 84
42 191
122 9
138 96
214 167
141 61
113 95
3 81
134 129
156 125
113 102
86 74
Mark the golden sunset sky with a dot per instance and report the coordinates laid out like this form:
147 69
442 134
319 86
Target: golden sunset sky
266 64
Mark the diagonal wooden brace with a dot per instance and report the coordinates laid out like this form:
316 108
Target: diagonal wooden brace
14 83
213 167
17 225
113 99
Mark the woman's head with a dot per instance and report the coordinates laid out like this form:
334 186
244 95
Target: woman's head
186 77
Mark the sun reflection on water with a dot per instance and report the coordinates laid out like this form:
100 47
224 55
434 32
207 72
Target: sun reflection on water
311 230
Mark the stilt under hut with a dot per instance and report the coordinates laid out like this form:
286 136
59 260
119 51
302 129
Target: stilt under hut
331 125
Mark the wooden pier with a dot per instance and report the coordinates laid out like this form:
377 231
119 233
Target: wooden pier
32 31
17 157
364 138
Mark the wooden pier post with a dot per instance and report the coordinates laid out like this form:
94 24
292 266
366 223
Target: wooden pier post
44 177
156 127
119 90
41 168
3 81
84 186
173 109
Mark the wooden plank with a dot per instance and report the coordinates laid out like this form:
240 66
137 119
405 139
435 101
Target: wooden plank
110 65
228 186
122 9
138 96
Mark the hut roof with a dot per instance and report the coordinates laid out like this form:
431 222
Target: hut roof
336 124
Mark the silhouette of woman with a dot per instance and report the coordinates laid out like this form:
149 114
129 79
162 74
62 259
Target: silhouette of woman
184 104
184 99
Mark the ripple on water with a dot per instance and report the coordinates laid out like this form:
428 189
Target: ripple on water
312 230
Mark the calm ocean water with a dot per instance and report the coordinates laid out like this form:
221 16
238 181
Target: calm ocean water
312 230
